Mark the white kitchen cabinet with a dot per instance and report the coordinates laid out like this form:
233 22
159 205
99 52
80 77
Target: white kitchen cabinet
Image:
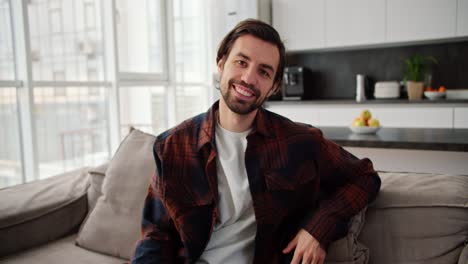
297 113
354 22
225 14
422 117
389 116
413 20
323 24
460 117
300 23
337 116
462 18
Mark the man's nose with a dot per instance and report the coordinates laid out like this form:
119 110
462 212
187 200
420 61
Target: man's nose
249 76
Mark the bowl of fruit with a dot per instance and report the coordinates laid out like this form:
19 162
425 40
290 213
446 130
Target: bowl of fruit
365 124
435 94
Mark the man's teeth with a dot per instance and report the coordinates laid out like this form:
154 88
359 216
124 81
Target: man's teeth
243 92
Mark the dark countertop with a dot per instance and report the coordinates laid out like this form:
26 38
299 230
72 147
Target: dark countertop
424 102
443 139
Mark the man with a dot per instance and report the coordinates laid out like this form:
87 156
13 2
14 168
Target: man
240 184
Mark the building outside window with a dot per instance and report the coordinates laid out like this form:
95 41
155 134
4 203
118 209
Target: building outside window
70 120
161 78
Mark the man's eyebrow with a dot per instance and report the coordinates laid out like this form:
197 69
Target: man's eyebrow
263 65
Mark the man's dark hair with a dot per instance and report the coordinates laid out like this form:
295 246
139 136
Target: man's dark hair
257 29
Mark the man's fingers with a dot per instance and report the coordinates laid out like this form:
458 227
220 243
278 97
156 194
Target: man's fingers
317 259
306 259
292 244
297 257
321 260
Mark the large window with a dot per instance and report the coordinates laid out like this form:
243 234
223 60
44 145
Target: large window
161 101
10 156
144 108
141 38
75 75
66 40
190 100
67 49
7 65
190 41
191 57
71 128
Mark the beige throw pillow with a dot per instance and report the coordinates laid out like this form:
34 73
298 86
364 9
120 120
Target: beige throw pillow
96 177
113 227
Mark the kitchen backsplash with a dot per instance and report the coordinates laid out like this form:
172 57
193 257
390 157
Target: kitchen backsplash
333 73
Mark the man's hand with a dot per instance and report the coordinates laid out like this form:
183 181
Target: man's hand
307 248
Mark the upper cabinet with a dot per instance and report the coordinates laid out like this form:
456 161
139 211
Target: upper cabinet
300 23
420 19
462 18
354 22
225 14
323 24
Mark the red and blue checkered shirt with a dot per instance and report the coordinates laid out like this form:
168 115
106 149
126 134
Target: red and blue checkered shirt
298 179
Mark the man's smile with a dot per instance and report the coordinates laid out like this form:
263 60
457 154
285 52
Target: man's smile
243 91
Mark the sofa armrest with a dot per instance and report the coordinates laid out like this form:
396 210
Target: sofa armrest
38 212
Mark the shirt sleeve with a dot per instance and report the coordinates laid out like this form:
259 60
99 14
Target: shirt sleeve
159 241
347 185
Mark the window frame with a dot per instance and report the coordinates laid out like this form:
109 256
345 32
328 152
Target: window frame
148 77
114 79
25 84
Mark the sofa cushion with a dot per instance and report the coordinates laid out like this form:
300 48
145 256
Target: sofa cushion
417 218
60 251
463 259
348 250
41 211
96 177
113 227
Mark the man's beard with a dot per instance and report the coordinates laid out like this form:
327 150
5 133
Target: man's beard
240 106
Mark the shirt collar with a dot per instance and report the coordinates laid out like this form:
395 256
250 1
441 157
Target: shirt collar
262 125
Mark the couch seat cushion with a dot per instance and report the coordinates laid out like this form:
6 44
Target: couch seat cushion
60 251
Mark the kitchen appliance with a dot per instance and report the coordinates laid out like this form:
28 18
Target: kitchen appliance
360 88
387 90
295 83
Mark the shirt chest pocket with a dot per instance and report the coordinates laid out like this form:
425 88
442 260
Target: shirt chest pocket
292 188
291 179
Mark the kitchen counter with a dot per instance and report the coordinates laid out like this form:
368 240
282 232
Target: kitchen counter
440 139
348 102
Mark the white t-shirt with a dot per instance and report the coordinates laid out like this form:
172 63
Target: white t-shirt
233 238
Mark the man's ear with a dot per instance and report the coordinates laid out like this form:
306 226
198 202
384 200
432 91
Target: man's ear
221 65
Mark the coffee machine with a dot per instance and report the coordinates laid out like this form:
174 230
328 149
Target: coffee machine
295 81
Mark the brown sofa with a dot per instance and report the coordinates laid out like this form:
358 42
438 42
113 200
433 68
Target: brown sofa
417 218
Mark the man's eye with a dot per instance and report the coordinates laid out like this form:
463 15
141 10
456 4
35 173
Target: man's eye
265 73
241 62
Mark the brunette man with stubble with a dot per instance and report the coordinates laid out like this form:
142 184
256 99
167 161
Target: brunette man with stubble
240 184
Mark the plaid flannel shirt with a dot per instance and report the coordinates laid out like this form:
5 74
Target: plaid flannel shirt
298 179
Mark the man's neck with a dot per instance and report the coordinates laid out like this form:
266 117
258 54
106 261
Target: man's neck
233 121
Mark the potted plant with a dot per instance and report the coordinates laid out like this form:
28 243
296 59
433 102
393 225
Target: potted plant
416 67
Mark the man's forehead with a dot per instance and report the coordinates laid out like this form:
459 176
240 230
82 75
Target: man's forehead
256 49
